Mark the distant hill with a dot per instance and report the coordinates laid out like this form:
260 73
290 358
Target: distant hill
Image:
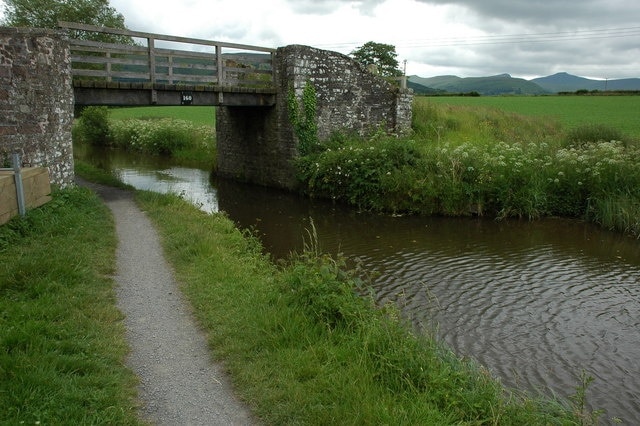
563 82
502 84
419 89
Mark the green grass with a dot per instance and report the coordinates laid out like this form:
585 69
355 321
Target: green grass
62 343
200 115
303 348
301 345
619 112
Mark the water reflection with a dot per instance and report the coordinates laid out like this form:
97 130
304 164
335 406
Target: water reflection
535 302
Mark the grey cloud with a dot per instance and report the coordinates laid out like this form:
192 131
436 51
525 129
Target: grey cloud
325 7
541 13
529 37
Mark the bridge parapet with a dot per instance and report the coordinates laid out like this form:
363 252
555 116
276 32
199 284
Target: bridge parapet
167 70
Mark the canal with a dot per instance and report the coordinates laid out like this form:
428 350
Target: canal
536 302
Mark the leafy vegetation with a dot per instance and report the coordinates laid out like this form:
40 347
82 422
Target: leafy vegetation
304 120
61 337
93 127
479 161
382 56
47 13
197 115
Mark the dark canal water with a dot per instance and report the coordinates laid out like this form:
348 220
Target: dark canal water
535 302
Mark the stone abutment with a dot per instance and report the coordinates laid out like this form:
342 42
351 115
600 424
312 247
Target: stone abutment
258 144
36 101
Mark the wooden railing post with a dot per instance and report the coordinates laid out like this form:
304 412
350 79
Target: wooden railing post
219 64
152 69
273 68
109 66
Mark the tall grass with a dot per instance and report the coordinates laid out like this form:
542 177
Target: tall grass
304 347
482 161
62 342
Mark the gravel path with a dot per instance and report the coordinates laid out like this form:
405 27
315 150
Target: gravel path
179 384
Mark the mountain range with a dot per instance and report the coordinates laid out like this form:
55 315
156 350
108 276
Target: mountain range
504 84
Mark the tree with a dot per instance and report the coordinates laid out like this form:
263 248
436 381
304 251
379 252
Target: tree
47 13
383 56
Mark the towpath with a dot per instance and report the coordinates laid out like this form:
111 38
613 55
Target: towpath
179 384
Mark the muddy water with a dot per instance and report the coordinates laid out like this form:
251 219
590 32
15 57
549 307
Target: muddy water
535 302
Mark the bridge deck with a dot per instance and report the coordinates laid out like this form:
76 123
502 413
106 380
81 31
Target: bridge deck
136 68
115 93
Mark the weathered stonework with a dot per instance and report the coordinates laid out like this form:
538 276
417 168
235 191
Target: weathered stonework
258 144
36 100
350 98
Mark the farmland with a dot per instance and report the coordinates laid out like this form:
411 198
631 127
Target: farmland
619 112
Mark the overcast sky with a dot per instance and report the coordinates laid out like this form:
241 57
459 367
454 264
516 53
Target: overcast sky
468 38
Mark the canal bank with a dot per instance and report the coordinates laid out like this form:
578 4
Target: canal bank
304 348
564 292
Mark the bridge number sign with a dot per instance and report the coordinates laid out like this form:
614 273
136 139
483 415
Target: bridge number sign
186 98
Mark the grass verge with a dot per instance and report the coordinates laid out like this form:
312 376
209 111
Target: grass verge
304 348
61 337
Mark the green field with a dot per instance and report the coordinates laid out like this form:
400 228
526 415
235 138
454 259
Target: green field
201 115
619 112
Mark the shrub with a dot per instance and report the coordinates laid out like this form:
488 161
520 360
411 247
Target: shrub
353 171
93 126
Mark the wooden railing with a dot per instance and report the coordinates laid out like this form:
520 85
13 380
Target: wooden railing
163 59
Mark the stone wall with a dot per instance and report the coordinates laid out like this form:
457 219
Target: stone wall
36 100
350 98
258 145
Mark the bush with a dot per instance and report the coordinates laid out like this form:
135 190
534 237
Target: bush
352 170
93 127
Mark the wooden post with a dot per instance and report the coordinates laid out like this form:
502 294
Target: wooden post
109 66
152 69
219 65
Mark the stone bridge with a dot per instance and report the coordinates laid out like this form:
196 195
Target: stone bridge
45 73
